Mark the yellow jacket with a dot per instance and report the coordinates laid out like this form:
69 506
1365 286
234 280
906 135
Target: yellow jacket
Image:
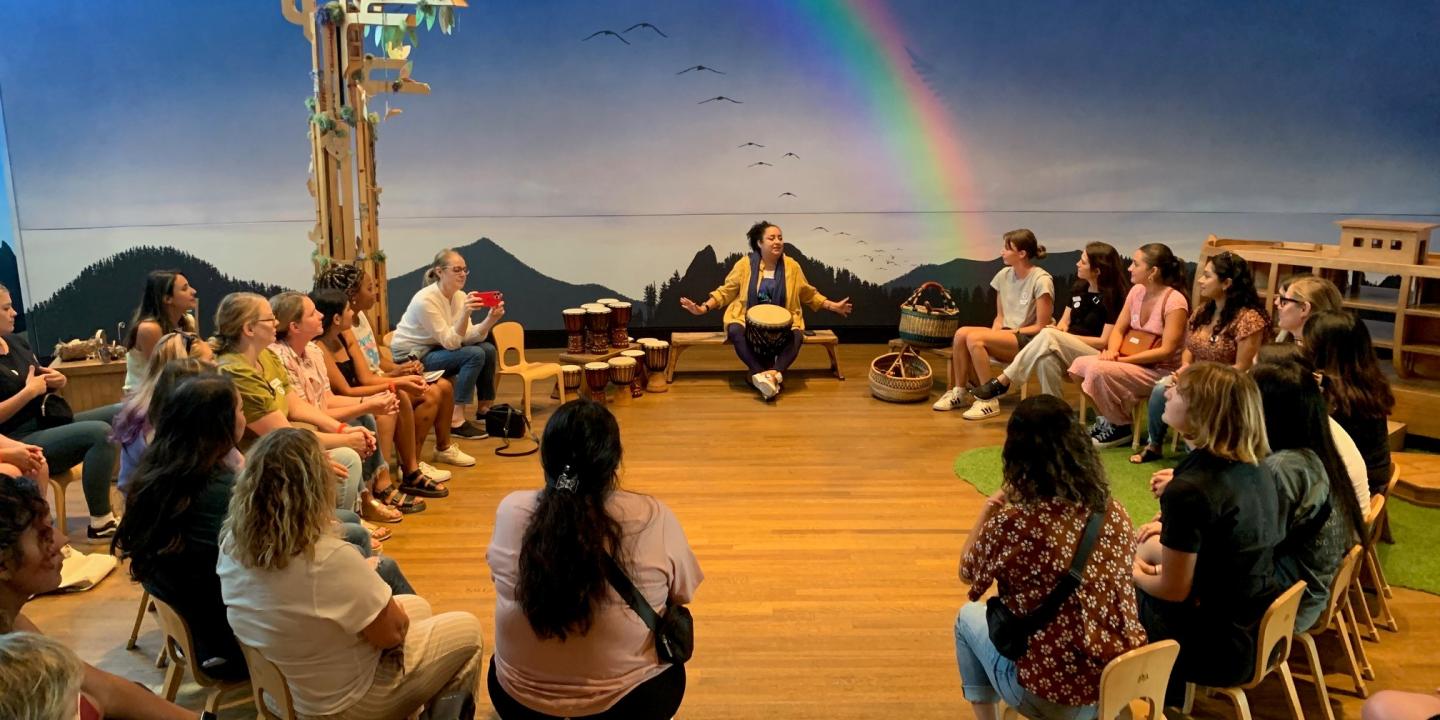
798 291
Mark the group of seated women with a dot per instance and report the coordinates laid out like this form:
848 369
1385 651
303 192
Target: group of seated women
1262 500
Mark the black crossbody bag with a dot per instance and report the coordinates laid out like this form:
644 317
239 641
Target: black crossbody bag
674 631
1010 632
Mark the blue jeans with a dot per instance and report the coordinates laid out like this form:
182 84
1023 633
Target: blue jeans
473 367
347 488
986 676
1155 422
376 462
85 440
353 532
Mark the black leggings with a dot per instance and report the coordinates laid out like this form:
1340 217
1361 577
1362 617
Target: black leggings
735 332
655 699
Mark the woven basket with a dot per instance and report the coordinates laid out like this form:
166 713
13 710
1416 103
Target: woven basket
900 377
925 325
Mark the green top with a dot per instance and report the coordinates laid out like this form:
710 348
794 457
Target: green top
261 393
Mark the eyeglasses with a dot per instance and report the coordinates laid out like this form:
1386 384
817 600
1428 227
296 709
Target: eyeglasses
271 319
460 270
1282 301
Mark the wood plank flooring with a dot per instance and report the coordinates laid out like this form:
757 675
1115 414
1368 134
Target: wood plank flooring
828 525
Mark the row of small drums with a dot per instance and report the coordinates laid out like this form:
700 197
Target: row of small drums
594 328
634 370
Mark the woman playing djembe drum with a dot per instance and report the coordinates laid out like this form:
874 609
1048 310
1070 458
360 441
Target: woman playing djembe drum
760 284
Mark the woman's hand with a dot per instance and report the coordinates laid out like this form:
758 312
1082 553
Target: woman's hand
1147 531
54 379
339 469
384 403
21 457
412 384
36 384
997 499
695 308
1159 480
473 303
840 307
496 314
1108 355
409 367
1144 568
359 439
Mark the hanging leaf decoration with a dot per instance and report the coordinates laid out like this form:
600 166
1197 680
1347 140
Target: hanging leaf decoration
310 104
446 16
347 114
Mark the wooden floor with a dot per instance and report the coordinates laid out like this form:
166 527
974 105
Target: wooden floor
828 525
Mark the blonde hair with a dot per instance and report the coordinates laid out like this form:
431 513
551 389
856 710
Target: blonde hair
289 307
1322 295
1224 415
283 500
39 677
236 310
441 261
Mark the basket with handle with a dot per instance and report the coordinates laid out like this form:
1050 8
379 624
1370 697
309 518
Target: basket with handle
924 324
900 376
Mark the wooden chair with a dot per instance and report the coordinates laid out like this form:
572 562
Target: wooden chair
180 651
58 484
1340 615
1272 652
266 679
1140 674
511 336
1138 416
1370 569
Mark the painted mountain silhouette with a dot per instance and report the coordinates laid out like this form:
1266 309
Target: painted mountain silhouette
533 298
107 291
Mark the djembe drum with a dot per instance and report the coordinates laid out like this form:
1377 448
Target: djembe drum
619 324
597 376
767 327
597 329
637 385
571 377
606 301
657 358
622 373
574 329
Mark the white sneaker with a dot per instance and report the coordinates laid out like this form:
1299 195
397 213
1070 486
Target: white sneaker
765 385
950 400
453 455
435 474
982 409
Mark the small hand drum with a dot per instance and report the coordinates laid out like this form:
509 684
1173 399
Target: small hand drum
571 376
619 324
597 376
657 359
767 327
597 329
574 329
637 385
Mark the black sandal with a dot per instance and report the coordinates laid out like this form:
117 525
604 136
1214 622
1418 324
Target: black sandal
400 501
1149 454
416 483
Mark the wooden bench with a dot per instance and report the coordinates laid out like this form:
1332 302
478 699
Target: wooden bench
681 340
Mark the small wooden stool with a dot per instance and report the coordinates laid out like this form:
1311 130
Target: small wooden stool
681 340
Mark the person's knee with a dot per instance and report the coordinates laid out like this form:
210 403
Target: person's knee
734 331
357 535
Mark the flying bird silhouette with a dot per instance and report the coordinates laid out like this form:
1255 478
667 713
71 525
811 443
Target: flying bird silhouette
717 97
760 163
820 228
611 33
790 194
699 68
842 232
797 157
751 144
646 25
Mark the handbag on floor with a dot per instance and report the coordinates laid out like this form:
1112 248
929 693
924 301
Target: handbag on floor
674 631
505 422
1010 632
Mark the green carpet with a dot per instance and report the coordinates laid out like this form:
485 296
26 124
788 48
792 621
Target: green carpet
1412 562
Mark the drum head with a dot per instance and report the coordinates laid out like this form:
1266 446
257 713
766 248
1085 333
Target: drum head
621 362
571 368
597 366
637 354
768 316
573 311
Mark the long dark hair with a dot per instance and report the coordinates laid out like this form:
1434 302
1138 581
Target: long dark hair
159 284
1172 269
562 554
1048 455
1242 293
1339 346
1110 276
1296 417
194 432
331 303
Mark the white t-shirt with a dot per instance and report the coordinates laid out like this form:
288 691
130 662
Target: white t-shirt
307 620
1354 464
1017 296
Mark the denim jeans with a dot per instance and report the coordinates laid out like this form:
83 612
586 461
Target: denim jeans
376 462
85 440
986 676
1155 421
353 532
473 367
347 488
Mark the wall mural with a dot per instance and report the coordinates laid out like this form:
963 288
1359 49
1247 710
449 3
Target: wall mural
574 150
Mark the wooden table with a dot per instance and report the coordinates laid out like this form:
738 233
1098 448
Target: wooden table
91 383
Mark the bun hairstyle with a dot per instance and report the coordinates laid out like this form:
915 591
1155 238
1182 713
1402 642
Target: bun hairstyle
756 233
1023 240
439 263
1171 268
344 277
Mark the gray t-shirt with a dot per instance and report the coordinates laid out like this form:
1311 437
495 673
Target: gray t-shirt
1017 296
1303 489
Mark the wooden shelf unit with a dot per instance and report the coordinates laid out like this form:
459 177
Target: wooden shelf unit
1413 306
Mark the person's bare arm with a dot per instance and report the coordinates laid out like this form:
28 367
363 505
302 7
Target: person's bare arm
1171 580
388 629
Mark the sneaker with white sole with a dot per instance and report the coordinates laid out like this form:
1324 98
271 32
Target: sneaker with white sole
1113 436
951 400
453 455
433 473
981 409
1098 426
767 387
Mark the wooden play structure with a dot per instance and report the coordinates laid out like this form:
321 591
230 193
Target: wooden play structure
342 126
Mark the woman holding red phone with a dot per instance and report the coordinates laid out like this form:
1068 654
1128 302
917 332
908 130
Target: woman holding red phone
437 327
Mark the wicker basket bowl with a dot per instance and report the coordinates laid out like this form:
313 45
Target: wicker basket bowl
900 377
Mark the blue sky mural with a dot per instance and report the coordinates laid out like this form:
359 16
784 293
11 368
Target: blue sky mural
597 161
